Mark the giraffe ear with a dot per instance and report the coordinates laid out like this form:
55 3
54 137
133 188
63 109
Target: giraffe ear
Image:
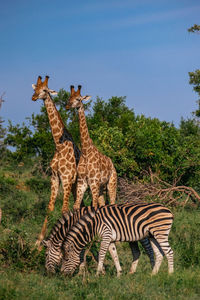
52 92
34 86
86 98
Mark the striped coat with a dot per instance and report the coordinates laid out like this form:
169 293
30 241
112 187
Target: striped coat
120 222
59 233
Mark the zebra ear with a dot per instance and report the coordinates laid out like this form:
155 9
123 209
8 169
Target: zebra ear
45 243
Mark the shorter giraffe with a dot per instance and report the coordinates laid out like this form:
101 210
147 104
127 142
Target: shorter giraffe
67 154
94 168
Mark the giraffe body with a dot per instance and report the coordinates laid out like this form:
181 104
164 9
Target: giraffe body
66 157
94 169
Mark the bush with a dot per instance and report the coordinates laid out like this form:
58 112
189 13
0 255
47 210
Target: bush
16 251
38 185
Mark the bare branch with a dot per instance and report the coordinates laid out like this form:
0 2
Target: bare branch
157 190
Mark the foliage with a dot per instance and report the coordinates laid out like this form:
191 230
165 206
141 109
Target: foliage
195 81
195 76
195 28
136 144
38 185
2 131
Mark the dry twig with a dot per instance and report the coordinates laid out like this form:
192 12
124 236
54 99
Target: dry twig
157 190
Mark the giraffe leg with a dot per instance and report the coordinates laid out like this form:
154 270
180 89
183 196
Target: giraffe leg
74 190
81 188
67 186
101 201
54 192
112 187
95 194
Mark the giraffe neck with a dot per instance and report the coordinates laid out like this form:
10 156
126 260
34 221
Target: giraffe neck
59 132
86 141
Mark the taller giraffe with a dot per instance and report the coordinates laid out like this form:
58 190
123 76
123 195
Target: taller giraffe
67 155
94 169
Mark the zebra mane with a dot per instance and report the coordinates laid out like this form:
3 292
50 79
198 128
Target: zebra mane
69 217
83 221
60 222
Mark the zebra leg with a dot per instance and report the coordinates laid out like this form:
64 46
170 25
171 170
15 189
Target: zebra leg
159 254
164 245
149 250
102 253
136 254
113 251
82 267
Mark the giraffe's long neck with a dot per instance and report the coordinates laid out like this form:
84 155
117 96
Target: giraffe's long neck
57 126
86 141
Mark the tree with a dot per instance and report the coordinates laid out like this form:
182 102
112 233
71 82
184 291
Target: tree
195 76
195 28
2 130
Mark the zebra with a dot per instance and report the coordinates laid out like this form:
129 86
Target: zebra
58 234
120 222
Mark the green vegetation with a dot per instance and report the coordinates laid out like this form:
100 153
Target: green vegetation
22 267
135 144
23 270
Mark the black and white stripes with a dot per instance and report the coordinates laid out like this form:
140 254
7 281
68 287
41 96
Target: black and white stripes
59 233
124 222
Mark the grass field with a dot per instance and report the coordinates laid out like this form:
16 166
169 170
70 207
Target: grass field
22 274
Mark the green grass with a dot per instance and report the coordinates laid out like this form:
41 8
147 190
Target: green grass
22 272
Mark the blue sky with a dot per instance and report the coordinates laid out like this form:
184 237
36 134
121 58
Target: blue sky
135 48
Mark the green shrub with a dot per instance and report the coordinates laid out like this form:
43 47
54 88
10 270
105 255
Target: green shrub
16 251
38 185
6 184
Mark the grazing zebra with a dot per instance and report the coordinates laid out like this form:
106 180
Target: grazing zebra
59 233
120 222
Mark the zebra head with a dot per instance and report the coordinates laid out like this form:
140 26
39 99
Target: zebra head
53 255
70 260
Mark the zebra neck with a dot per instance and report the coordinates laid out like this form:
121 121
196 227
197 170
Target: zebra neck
83 232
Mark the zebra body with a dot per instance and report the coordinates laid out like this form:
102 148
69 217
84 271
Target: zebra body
59 233
120 222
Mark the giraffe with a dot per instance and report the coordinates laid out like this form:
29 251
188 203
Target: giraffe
94 168
66 157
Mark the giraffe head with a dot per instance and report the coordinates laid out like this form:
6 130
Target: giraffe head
41 89
75 99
